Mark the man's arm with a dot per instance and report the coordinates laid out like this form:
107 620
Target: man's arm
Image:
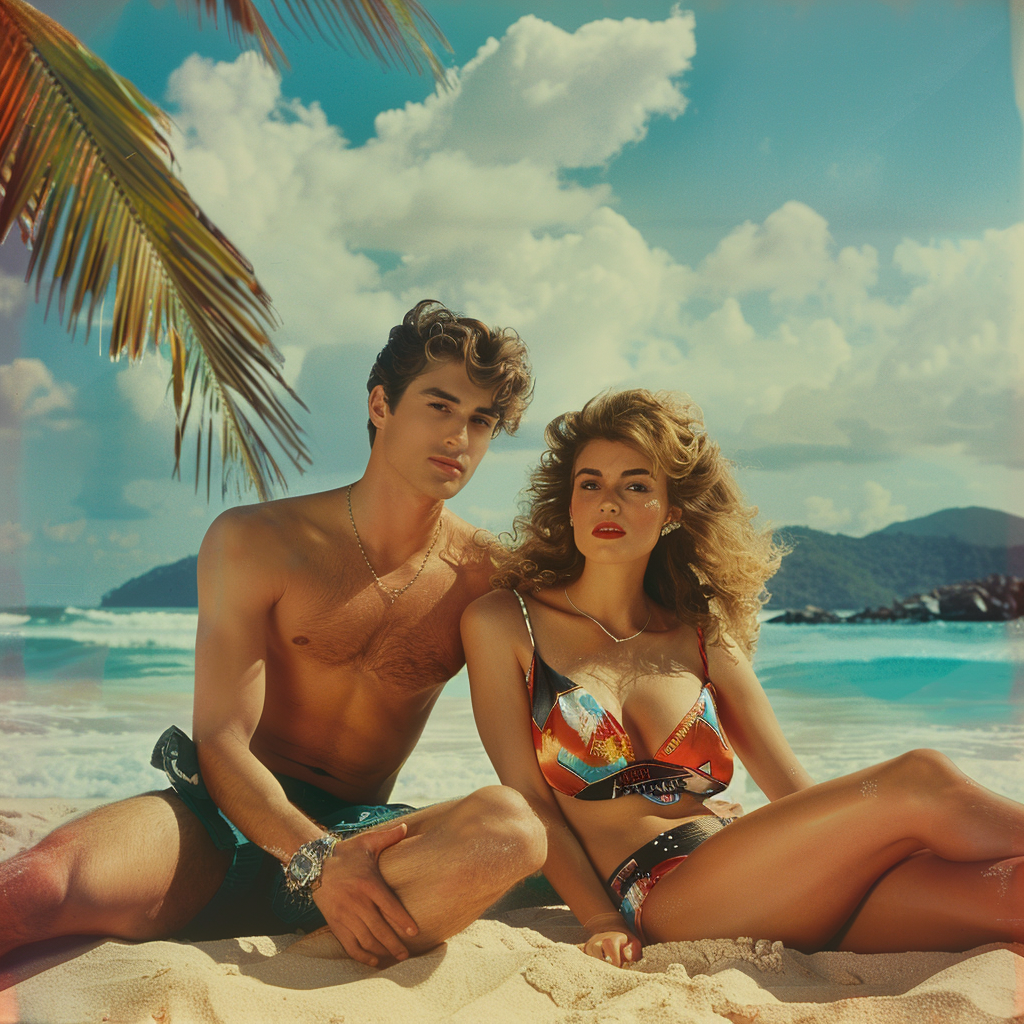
240 581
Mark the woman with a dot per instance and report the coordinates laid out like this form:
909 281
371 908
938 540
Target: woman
630 606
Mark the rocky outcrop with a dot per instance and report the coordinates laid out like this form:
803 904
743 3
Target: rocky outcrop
808 616
996 598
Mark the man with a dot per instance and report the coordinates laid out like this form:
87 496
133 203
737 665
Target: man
328 624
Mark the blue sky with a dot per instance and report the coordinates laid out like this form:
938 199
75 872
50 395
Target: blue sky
808 216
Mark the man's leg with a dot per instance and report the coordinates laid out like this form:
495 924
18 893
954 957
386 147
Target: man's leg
138 869
457 859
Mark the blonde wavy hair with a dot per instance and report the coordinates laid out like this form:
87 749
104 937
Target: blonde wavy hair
711 572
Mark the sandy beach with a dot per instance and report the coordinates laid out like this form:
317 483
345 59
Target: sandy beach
517 964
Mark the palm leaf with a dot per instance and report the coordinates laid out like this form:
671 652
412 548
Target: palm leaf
83 167
389 29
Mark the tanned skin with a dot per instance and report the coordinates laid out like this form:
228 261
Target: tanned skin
910 854
307 667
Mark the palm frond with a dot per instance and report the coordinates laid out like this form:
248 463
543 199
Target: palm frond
83 167
391 30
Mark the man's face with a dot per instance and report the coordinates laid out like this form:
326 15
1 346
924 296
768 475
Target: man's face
438 431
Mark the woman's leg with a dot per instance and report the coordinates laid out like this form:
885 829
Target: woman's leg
926 902
799 868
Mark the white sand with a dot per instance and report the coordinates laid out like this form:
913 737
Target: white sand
522 965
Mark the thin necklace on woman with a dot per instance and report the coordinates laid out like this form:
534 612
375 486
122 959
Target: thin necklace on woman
617 639
393 594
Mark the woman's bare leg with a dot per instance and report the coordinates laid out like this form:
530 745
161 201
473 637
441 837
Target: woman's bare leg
799 869
926 902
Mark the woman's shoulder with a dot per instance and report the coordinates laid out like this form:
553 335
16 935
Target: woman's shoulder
726 657
493 609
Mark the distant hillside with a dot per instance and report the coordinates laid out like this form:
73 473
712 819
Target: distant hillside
983 526
836 571
830 570
166 586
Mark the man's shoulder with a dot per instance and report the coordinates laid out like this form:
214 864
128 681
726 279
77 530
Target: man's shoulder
270 522
474 540
242 526
476 551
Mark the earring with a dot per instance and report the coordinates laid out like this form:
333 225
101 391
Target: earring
669 527
570 520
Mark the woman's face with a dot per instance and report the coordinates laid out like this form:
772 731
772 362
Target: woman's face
618 505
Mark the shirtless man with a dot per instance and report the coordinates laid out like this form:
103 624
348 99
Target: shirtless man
328 624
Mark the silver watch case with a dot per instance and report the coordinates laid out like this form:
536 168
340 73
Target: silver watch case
302 873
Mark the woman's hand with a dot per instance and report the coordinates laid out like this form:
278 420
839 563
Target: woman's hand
610 940
724 808
617 947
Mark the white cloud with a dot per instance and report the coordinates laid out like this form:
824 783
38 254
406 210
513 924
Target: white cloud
879 510
568 99
13 293
942 365
65 533
740 373
781 334
791 257
28 390
501 236
123 540
822 513
144 385
13 538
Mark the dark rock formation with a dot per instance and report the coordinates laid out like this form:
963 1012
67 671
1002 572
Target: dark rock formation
997 598
808 616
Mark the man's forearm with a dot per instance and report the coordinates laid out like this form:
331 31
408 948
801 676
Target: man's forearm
249 794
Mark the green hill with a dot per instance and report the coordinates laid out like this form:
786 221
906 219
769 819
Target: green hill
836 571
984 526
166 586
830 570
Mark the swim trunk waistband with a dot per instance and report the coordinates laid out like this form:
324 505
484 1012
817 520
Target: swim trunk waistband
632 881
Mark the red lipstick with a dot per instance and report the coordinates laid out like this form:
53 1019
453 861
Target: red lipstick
608 531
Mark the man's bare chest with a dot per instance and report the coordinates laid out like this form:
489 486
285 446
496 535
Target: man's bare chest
412 641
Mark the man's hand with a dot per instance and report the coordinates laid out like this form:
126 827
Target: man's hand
360 908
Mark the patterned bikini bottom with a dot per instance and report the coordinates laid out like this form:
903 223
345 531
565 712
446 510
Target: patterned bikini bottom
638 874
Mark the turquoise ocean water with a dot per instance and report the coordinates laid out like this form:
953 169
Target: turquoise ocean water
85 692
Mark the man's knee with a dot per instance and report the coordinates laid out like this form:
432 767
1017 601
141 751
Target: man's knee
501 816
34 886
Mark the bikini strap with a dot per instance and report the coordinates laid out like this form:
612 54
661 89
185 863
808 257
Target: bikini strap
700 647
526 617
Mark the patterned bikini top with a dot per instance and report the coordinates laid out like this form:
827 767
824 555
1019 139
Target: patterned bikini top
584 752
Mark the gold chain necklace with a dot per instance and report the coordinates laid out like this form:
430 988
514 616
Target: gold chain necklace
618 640
393 594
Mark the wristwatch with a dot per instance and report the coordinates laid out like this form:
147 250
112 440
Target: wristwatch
302 872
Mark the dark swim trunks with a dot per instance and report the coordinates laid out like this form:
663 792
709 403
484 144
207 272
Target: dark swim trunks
254 874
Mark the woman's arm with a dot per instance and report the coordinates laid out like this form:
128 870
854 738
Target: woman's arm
751 725
496 644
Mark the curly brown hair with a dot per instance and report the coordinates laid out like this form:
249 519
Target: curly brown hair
430 333
711 573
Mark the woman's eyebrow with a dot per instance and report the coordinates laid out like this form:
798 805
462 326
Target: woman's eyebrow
597 472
